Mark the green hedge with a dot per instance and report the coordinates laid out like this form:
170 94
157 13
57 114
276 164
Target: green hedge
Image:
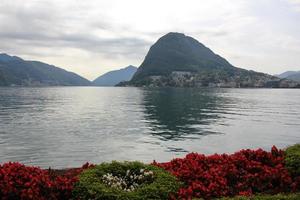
292 159
90 185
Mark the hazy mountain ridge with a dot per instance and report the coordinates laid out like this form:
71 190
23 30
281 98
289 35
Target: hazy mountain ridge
15 71
114 77
177 60
291 75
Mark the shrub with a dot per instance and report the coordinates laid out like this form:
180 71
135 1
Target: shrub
243 173
93 183
292 159
18 181
64 180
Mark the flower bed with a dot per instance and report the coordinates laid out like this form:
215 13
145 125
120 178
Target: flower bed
18 181
243 173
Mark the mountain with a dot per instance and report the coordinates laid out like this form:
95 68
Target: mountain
114 77
291 75
294 77
15 71
286 74
178 60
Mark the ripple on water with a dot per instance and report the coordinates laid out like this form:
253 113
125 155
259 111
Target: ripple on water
67 126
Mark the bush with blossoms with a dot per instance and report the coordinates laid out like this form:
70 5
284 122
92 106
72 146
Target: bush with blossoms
245 173
125 180
18 181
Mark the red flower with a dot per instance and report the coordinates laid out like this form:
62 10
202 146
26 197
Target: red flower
18 181
242 173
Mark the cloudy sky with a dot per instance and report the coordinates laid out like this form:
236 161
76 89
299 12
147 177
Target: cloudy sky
91 37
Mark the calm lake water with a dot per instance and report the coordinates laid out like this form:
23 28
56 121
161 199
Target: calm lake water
67 126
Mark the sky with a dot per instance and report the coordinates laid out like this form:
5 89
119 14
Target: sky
92 37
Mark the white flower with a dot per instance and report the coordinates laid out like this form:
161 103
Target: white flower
129 182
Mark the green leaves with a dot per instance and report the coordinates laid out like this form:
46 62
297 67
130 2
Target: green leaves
292 159
91 186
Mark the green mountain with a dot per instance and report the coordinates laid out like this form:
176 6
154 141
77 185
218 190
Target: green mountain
15 71
178 60
114 77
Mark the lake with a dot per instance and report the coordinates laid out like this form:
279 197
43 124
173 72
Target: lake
68 126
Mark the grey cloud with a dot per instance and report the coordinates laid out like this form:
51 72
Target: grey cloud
127 46
33 28
51 27
44 25
212 33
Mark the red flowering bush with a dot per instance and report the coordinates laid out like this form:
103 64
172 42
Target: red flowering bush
243 173
18 181
64 180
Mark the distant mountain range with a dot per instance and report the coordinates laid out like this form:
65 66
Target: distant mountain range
178 60
114 77
175 60
291 75
15 71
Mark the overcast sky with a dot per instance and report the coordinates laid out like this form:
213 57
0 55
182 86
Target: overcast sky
91 37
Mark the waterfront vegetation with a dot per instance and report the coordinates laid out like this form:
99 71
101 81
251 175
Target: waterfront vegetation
246 174
127 180
292 159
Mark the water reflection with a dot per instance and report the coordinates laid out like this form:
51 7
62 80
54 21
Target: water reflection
68 126
174 114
